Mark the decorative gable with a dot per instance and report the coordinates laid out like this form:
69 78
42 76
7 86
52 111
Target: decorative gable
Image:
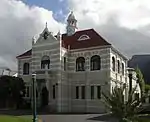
46 37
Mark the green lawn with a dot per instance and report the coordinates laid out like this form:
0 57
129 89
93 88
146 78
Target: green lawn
4 118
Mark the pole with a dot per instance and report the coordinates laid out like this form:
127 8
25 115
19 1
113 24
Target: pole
130 82
34 97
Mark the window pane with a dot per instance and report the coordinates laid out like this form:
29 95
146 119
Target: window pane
27 91
80 64
118 66
36 93
45 62
122 69
26 68
83 92
77 92
64 63
113 63
95 62
99 92
92 92
54 92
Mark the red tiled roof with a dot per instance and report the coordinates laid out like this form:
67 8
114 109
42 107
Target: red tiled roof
26 54
73 43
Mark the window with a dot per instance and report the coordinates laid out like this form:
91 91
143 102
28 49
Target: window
99 92
26 67
118 66
54 94
80 64
113 64
122 68
45 62
77 92
83 37
83 92
64 63
95 62
37 93
92 92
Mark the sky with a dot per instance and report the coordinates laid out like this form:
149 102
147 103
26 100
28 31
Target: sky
123 23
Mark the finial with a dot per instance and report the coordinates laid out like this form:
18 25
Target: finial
58 32
59 35
46 24
33 39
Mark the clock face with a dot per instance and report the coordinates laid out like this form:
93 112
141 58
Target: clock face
70 29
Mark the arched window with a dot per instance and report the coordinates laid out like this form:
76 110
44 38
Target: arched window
83 37
122 68
113 64
45 62
118 66
26 67
80 64
95 62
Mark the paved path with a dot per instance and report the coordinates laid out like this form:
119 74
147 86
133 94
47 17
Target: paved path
77 118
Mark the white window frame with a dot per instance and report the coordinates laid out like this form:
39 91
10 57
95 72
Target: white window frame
83 37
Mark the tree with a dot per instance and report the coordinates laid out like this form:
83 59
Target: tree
12 90
140 80
147 88
121 109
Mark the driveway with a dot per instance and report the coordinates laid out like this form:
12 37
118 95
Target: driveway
78 118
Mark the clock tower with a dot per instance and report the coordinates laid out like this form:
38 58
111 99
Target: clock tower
71 24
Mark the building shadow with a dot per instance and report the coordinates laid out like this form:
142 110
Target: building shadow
104 117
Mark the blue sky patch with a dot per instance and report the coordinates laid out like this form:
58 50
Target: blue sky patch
59 7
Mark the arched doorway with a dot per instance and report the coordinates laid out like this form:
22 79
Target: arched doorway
44 97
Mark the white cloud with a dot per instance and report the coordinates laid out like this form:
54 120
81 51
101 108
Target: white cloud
125 23
18 24
129 13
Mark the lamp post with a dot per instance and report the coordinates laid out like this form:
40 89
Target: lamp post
34 97
130 75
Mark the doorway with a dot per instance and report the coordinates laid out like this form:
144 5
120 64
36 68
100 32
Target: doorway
44 96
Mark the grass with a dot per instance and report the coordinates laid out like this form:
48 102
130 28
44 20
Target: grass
4 118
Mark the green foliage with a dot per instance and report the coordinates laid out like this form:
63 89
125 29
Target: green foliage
140 80
11 89
123 110
147 87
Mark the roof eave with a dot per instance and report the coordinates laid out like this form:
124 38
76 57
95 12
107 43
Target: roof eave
117 51
23 57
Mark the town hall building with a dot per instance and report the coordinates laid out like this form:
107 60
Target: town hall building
73 69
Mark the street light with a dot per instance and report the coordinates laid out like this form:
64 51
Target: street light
130 75
34 96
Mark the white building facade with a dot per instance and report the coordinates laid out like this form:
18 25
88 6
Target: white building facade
72 69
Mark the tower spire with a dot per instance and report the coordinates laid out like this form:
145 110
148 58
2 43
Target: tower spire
71 24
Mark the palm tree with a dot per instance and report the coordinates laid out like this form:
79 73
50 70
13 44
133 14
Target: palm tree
121 109
140 80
